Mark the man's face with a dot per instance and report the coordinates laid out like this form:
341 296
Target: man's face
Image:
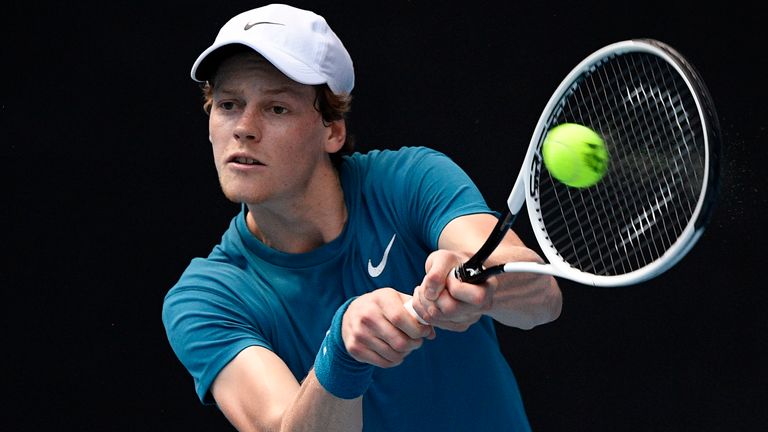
268 139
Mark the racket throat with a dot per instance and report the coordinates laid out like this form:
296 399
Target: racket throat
476 275
473 271
467 274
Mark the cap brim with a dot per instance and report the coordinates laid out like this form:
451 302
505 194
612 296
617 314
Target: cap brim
207 63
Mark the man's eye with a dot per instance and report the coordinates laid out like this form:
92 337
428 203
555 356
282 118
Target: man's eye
279 110
227 106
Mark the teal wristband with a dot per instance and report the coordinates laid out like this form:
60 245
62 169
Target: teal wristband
339 373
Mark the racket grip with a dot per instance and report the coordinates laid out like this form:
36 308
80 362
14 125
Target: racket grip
409 307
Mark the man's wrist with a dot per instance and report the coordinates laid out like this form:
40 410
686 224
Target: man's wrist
337 371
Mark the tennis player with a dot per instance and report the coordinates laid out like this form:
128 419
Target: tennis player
296 319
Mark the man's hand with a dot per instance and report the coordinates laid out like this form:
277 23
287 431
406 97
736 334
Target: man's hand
522 300
377 329
444 301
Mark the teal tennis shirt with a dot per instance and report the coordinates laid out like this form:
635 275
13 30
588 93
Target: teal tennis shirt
245 293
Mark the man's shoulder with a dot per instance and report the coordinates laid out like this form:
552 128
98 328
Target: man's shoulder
224 265
392 153
212 273
385 159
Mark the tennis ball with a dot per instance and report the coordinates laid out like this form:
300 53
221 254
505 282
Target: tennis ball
575 155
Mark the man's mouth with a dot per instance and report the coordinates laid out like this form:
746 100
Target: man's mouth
245 160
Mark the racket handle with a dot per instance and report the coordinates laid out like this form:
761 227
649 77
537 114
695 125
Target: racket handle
409 307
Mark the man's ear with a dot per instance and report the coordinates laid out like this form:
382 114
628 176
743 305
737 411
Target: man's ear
337 134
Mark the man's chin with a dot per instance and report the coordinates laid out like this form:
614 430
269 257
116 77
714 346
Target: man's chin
238 197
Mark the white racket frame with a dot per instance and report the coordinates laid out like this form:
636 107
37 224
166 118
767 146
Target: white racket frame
522 191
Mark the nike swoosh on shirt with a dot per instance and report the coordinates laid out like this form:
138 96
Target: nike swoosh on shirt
377 270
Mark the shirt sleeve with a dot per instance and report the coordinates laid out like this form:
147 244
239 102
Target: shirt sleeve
206 324
435 191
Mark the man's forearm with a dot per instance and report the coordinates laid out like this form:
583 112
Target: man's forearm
314 409
526 300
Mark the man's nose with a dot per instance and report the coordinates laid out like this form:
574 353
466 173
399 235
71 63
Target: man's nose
248 126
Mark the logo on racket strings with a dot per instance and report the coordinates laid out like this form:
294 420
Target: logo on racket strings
533 172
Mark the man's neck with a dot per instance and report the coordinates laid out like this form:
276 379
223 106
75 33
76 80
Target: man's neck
301 225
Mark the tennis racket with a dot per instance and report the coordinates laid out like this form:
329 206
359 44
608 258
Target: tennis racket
661 131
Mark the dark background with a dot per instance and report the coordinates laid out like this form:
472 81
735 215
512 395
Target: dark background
113 191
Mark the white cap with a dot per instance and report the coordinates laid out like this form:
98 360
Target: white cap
297 42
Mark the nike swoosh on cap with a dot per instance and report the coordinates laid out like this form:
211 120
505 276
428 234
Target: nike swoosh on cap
377 270
249 25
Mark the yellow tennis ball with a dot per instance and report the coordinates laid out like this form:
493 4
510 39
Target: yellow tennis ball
575 155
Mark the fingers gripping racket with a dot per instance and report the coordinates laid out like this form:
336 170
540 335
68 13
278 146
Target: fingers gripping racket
661 132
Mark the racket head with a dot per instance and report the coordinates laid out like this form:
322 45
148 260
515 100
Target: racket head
661 131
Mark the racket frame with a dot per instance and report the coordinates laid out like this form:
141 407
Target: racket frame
525 189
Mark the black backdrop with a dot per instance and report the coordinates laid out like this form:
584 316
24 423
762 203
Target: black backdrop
113 191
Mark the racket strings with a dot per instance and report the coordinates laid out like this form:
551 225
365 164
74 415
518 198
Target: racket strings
649 120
